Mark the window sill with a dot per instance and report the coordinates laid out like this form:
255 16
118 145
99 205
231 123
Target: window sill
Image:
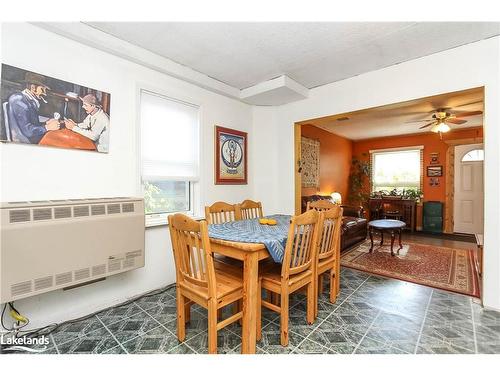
152 222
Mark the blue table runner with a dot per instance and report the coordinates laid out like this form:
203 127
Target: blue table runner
272 236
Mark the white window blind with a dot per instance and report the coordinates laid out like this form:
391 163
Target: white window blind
396 169
169 139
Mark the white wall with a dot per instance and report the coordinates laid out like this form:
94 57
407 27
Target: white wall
39 173
464 67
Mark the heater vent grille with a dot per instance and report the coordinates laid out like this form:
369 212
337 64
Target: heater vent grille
133 254
43 282
79 211
42 214
20 288
64 278
98 209
130 262
62 212
81 274
99 270
127 207
18 216
114 265
114 208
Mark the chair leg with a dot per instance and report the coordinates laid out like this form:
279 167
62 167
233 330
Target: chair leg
187 312
212 326
181 319
284 318
320 284
333 286
337 279
237 307
259 312
219 314
311 299
316 281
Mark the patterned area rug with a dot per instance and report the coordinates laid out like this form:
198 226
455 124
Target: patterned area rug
438 267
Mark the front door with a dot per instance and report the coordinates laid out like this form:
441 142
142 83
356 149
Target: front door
469 194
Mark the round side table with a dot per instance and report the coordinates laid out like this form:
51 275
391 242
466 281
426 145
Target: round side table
386 225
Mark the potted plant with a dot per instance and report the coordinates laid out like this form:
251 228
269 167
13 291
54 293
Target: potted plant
416 194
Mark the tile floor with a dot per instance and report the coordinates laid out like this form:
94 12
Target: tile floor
371 315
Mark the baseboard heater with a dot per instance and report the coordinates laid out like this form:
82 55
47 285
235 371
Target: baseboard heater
49 245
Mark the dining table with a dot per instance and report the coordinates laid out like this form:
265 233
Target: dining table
250 241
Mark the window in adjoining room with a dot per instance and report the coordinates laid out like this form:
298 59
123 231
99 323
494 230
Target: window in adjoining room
169 155
398 168
474 155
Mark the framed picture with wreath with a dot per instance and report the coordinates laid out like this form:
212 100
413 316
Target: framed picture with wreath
230 156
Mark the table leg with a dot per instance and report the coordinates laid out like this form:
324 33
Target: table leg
370 232
400 245
392 242
381 237
250 290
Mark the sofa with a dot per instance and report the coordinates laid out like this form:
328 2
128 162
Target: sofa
354 225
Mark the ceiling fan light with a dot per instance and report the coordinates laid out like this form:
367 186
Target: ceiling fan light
443 128
435 128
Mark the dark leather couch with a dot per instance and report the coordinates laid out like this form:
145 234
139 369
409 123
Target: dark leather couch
354 225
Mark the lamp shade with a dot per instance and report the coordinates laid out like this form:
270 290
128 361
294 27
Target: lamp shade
336 198
440 127
443 128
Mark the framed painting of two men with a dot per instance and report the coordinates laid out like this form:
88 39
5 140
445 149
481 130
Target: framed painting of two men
41 110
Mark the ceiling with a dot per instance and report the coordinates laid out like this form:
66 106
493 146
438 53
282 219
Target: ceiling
312 54
397 119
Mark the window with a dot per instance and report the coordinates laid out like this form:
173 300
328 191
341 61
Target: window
399 168
474 155
169 155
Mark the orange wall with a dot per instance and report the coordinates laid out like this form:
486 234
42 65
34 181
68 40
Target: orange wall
431 143
335 162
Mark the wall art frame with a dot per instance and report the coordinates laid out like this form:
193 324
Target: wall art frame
231 159
435 171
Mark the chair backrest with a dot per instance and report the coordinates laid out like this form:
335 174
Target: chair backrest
329 237
320 205
302 243
222 212
193 256
250 209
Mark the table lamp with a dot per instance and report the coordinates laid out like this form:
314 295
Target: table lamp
336 198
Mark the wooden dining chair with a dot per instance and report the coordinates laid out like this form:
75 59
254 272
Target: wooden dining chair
199 279
328 259
320 205
296 272
250 209
222 212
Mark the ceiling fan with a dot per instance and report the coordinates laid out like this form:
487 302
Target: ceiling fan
441 117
